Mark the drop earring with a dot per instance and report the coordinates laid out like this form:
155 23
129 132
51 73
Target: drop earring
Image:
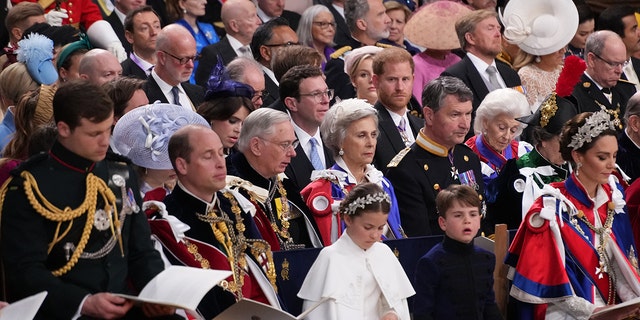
341 152
578 165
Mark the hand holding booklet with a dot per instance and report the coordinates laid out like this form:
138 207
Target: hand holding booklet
180 287
626 310
254 310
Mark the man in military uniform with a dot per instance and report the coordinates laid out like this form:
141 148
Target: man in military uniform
600 86
437 159
368 23
267 143
71 225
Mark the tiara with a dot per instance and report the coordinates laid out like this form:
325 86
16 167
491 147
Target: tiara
361 202
592 127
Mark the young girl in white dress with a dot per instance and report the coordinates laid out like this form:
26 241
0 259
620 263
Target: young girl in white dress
361 276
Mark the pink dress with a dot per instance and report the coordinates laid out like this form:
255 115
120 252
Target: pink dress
428 68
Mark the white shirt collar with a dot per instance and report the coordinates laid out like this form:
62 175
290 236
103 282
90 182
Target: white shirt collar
143 64
482 66
235 44
165 87
271 75
262 15
120 15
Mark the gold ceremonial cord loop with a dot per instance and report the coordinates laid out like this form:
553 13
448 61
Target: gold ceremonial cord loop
46 209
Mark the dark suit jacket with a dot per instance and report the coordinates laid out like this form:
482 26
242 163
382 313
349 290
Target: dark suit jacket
337 79
628 155
343 35
389 139
467 72
292 17
117 26
273 89
194 92
587 96
209 59
278 105
131 69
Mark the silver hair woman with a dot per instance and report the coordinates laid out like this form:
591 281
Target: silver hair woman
496 128
350 130
317 29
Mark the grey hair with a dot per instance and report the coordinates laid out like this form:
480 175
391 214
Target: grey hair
439 88
236 68
305 25
353 11
260 123
597 40
498 102
633 107
336 121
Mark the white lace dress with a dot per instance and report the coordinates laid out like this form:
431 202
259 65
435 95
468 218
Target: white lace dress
538 84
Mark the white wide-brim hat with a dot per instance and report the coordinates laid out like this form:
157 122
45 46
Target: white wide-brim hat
143 133
433 26
540 27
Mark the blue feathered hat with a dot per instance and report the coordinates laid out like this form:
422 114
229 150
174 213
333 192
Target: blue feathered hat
220 85
36 52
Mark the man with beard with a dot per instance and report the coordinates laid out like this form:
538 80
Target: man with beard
437 159
368 23
479 35
393 78
169 79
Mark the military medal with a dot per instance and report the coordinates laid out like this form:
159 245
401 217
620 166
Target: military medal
454 170
101 220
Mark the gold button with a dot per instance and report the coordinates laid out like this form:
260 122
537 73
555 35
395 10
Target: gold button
70 4
426 167
70 19
586 84
480 197
436 187
466 158
611 205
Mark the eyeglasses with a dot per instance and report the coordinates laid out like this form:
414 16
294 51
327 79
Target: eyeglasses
286 44
324 24
184 60
263 94
613 65
318 95
285 145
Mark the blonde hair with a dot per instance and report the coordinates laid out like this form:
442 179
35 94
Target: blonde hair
15 81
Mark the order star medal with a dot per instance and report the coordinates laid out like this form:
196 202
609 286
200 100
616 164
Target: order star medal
454 173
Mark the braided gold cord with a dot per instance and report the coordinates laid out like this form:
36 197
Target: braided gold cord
46 209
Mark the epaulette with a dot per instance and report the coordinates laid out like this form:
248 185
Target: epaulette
625 81
396 160
29 163
112 156
384 45
338 53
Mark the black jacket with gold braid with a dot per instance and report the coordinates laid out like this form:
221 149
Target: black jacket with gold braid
61 177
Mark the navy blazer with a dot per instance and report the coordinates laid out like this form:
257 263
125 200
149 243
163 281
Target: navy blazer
389 139
131 69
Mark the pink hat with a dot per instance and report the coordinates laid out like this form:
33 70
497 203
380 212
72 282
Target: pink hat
433 26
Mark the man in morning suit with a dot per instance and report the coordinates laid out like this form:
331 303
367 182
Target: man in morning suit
270 9
265 43
141 28
393 79
117 17
306 97
479 35
369 23
240 22
600 85
438 158
169 79
74 239
622 20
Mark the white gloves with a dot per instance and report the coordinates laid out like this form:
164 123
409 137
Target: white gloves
54 18
101 35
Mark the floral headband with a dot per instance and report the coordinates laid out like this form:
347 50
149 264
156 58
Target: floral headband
595 124
361 202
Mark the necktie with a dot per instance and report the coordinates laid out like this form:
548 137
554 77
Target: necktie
315 157
402 128
493 78
176 95
246 51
